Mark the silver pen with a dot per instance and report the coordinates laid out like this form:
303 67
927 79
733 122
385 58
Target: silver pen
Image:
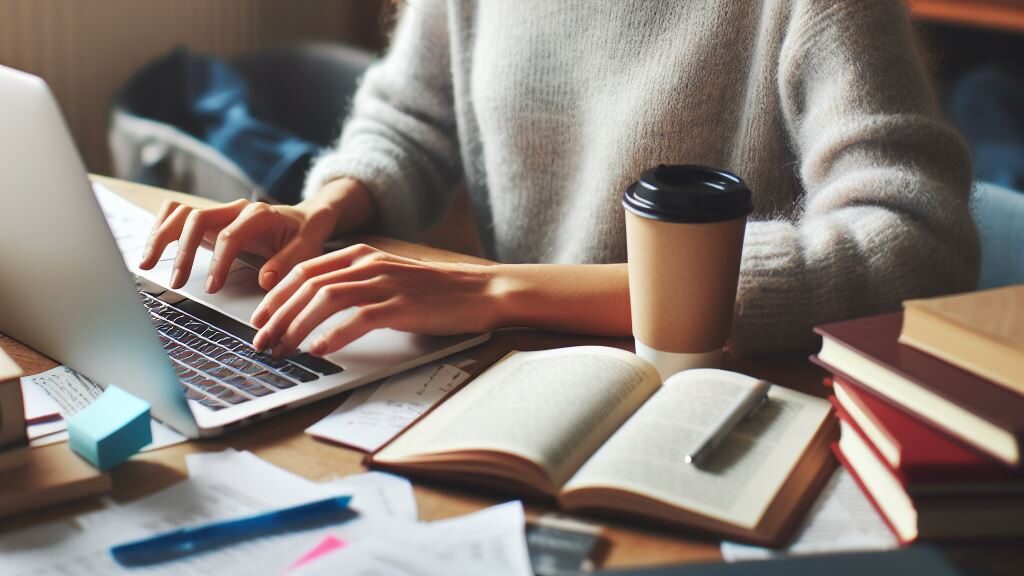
752 399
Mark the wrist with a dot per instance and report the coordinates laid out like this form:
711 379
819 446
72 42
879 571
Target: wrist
509 294
585 299
344 204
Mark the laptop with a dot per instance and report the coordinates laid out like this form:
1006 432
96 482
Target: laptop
66 291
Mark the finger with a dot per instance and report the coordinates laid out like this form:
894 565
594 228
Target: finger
281 317
328 301
281 263
191 235
307 270
166 208
163 234
254 220
197 225
362 321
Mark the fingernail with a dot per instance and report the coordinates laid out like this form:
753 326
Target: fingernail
269 279
146 252
318 348
210 284
258 342
176 278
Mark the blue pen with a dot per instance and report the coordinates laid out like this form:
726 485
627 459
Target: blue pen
184 541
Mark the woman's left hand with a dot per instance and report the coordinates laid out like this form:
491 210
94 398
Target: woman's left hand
390 291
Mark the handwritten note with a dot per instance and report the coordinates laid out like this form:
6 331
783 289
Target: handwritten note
372 415
71 392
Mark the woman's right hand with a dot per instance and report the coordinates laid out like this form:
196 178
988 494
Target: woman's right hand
285 235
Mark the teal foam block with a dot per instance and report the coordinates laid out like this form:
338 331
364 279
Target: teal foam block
111 429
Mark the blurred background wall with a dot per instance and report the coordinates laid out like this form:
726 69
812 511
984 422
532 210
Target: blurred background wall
87 49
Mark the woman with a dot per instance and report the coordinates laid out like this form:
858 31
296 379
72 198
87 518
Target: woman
548 111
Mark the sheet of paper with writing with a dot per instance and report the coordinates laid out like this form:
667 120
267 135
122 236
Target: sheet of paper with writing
373 415
488 542
71 392
228 485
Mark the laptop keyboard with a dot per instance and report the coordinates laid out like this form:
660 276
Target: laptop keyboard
218 369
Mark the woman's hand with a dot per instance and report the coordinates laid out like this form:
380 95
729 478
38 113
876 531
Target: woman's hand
285 235
390 291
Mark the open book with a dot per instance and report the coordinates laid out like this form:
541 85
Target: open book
596 429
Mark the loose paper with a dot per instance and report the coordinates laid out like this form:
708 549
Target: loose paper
71 392
228 485
490 542
39 407
841 520
373 415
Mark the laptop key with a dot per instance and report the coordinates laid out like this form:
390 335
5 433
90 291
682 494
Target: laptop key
193 325
211 403
173 315
218 390
193 394
248 385
236 362
279 382
191 340
315 364
208 349
296 372
265 359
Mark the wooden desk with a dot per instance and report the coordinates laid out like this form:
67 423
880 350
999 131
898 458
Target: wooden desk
281 440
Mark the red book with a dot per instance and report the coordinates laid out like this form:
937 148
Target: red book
987 416
920 454
912 516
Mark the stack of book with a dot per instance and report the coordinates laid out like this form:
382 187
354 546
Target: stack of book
931 409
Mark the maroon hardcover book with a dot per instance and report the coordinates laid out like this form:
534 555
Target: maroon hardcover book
924 454
895 369
933 474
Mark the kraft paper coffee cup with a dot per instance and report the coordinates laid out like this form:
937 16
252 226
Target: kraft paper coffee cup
684 238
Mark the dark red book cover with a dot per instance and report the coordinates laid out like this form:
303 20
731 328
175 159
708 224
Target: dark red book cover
876 339
927 455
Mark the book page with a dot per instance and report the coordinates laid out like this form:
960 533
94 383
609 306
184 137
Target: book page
553 407
737 481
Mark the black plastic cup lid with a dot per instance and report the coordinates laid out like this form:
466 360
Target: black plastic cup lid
689 194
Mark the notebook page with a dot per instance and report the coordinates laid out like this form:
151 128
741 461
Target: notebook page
738 480
553 407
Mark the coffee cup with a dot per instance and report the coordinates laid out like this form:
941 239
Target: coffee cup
684 239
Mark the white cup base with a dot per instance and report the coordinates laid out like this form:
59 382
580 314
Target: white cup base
668 363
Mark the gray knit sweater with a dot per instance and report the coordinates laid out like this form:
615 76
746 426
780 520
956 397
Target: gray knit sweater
548 109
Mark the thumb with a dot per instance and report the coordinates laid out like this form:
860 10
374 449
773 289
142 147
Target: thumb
295 251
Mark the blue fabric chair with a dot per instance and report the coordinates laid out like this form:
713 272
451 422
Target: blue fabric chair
999 214
248 128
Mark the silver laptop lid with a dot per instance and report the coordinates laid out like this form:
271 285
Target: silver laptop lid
64 289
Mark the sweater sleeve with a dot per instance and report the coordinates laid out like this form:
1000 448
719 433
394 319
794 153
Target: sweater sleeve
400 139
885 215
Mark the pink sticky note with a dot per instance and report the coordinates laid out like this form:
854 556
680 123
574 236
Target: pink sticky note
326 546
